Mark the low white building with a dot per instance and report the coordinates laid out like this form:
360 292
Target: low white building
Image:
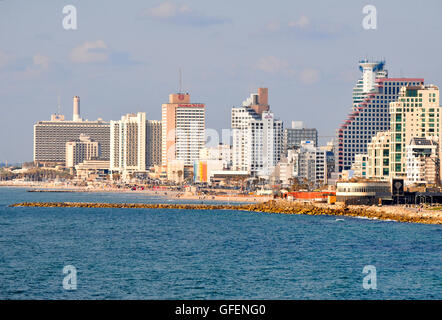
92 169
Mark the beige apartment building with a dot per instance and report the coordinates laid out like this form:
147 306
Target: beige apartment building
359 167
415 114
378 158
153 137
80 150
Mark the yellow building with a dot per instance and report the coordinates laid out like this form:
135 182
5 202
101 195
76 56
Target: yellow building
378 160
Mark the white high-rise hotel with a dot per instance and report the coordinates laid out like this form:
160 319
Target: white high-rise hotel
257 136
128 144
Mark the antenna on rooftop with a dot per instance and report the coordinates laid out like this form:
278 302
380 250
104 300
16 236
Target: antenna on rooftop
58 105
181 81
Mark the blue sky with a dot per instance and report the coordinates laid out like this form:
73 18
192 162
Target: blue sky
125 56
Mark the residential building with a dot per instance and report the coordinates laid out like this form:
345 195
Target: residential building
378 156
154 141
183 129
309 163
416 114
80 150
422 161
370 111
297 133
359 167
257 136
128 144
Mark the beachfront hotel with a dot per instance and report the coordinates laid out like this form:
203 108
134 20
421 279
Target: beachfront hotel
370 112
183 130
128 144
50 137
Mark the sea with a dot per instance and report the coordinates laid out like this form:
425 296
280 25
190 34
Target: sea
94 253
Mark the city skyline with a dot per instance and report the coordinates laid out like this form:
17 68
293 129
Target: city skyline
42 61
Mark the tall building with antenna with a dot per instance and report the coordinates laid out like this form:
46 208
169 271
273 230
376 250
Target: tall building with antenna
50 137
183 129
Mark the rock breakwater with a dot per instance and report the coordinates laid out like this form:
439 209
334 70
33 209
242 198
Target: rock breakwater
281 207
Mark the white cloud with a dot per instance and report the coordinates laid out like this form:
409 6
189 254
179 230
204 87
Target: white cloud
40 64
272 64
94 51
302 22
165 10
182 15
309 76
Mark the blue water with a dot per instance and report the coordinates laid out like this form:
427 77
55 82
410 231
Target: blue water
173 254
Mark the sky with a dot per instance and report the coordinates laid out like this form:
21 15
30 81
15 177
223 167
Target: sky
125 56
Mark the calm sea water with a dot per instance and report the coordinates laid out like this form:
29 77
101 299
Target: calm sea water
172 254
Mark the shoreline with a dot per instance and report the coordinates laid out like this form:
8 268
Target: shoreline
169 194
281 207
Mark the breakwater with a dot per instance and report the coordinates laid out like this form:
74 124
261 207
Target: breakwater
282 207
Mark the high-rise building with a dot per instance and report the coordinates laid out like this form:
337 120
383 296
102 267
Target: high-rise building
297 133
257 136
416 114
128 144
370 111
153 138
50 137
80 150
183 129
